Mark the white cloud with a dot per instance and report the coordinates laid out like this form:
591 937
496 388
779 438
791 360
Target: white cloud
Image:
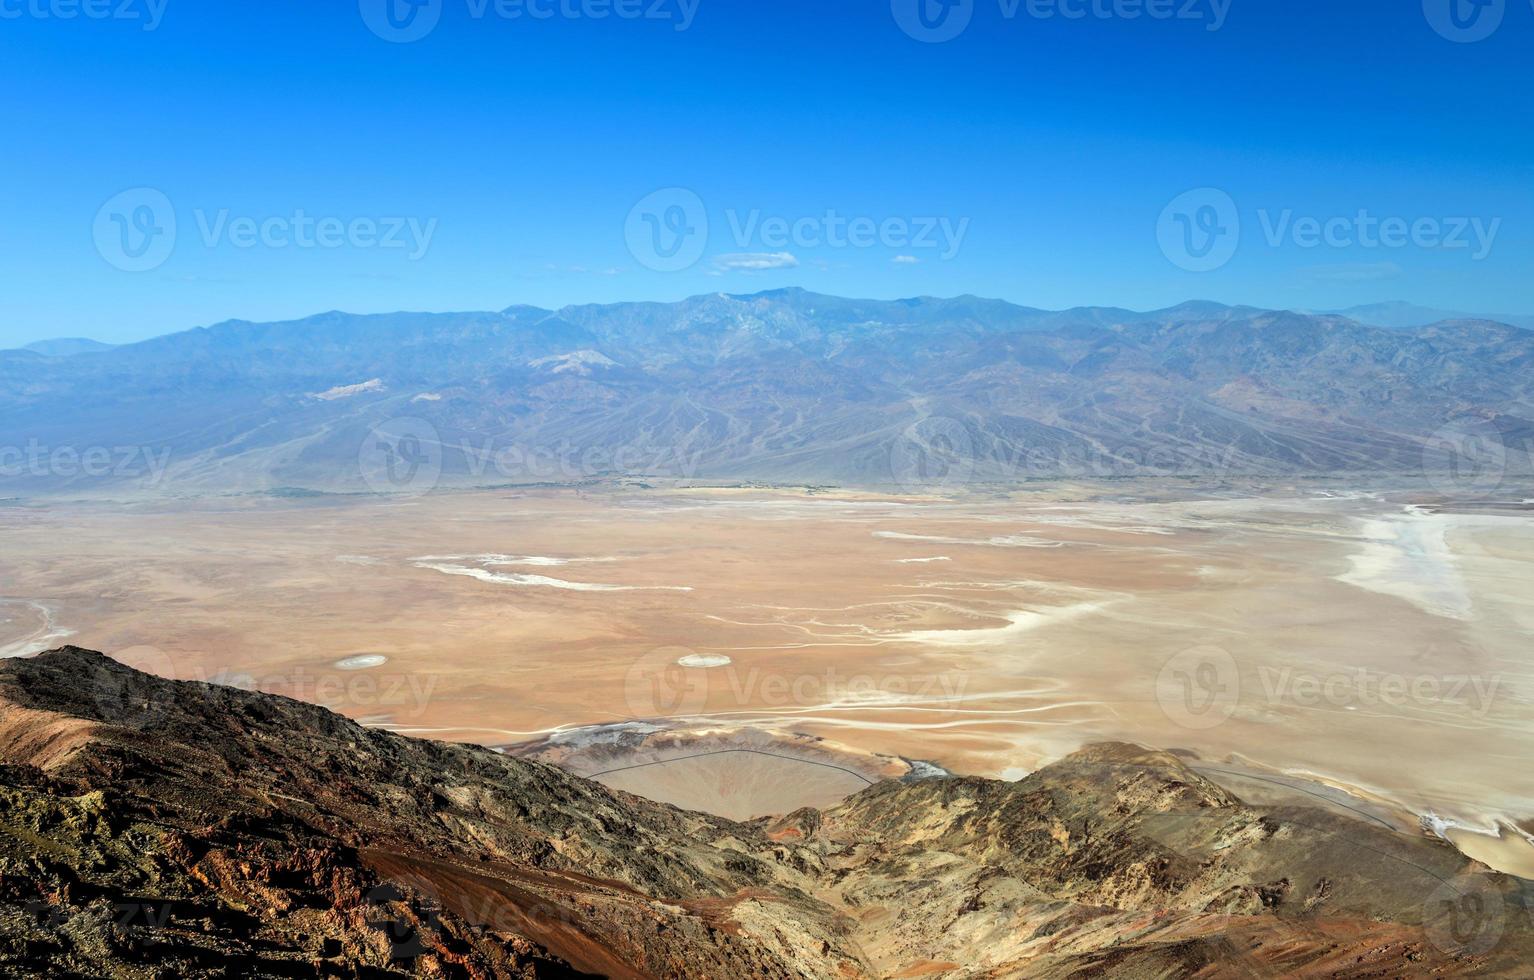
755 261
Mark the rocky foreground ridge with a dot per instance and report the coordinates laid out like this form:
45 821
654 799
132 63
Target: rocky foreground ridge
151 828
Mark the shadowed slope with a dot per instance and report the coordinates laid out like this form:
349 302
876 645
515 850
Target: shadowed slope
157 828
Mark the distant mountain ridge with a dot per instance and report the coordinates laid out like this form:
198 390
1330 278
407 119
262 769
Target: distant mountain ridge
1403 316
786 386
67 346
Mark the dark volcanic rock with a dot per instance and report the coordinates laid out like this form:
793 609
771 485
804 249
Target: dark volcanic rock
151 828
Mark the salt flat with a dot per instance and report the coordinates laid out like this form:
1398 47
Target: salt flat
28 627
1376 641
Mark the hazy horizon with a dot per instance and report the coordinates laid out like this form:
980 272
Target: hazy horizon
1520 320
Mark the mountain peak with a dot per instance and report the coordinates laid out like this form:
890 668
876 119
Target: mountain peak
782 292
66 347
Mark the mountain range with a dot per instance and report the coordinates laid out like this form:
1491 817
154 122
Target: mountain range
1404 316
155 828
67 347
782 386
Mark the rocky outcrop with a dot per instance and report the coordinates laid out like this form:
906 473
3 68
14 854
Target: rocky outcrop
151 828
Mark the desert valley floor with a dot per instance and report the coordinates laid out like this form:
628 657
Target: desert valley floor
1365 650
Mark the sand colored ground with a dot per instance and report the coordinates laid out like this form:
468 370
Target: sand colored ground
1374 641
749 785
739 773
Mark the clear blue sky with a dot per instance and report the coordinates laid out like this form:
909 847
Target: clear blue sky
523 144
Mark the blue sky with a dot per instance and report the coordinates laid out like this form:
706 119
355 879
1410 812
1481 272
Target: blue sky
309 164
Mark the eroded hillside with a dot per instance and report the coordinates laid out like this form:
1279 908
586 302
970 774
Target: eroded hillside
153 828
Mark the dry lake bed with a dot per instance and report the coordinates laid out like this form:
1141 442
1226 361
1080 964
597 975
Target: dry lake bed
1361 649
